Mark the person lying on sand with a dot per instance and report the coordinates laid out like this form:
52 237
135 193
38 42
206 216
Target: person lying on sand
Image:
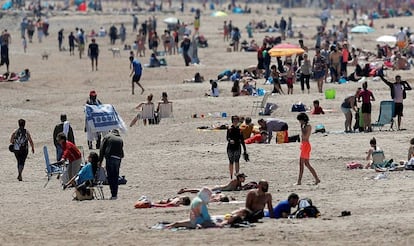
199 215
234 185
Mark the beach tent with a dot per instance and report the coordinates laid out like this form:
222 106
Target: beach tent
285 50
7 5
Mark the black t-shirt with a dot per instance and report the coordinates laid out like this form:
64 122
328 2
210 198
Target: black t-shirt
234 133
93 49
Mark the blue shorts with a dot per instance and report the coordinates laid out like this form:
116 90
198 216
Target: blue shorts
318 74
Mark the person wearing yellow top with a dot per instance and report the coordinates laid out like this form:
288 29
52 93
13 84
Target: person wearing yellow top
247 128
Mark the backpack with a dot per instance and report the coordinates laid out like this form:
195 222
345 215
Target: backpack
307 212
20 139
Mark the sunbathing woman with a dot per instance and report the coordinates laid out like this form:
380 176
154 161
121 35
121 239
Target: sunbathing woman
374 147
199 216
234 185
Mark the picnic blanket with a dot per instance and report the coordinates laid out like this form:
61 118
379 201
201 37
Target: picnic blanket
103 118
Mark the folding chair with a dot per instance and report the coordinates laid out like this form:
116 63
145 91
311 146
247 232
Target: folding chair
165 110
260 104
82 153
147 112
386 115
52 168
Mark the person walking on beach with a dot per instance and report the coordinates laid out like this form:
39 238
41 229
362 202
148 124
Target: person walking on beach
5 40
65 127
398 94
112 150
71 39
185 46
93 53
235 139
305 148
319 69
60 39
20 139
136 73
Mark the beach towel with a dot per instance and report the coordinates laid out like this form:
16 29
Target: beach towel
103 118
66 128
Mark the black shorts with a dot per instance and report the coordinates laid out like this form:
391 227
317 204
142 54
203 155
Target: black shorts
234 155
398 110
366 108
136 77
94 57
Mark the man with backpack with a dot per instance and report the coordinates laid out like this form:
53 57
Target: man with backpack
20 139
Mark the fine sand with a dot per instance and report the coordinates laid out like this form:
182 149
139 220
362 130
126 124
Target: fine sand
161 159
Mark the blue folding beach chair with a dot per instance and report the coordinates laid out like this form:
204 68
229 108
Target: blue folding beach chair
386 115
52 168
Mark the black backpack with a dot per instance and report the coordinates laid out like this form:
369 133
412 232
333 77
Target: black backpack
20 139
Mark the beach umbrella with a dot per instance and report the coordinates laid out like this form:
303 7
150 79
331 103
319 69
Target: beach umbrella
285 50
387 39
219 14
362 29
171 20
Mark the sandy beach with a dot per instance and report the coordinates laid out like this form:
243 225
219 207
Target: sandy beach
161 159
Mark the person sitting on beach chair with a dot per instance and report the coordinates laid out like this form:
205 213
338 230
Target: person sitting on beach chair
234 185
146 111
85 177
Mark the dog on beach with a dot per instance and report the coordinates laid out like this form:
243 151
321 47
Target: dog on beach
115 51
45 55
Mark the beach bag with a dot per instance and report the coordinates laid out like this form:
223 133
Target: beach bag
307 212
298 107
83 194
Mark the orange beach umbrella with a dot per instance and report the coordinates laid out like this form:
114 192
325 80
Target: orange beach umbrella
285 50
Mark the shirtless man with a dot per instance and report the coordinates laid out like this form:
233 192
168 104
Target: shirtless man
305 148
256 201
335 61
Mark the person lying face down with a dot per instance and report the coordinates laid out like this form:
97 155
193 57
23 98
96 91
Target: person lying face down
234 185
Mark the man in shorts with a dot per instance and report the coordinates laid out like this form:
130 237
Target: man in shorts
305 148
398 94
136 72
274 125
93 53
256 200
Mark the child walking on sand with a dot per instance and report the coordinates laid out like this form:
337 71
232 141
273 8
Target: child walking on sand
305 148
